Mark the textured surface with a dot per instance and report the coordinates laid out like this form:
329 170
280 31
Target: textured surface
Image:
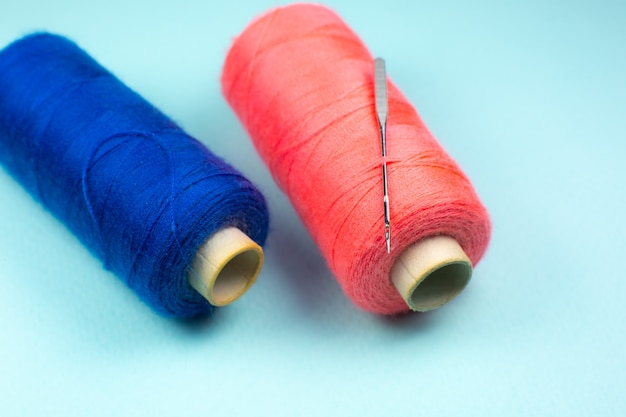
529 98
302 83
139 192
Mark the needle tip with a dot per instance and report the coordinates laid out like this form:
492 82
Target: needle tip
388 237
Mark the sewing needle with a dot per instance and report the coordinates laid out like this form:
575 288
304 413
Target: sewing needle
380 94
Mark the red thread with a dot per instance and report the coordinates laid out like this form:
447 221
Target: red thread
302 84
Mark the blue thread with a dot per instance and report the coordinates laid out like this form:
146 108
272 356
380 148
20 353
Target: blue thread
141 194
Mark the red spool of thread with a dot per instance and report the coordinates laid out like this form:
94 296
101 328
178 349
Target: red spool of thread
302 83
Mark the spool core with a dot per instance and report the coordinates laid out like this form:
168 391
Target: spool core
431 272
226 266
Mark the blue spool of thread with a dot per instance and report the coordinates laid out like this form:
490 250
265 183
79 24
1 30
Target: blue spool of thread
162 212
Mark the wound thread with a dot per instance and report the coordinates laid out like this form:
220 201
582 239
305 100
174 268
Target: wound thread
302 83
138 191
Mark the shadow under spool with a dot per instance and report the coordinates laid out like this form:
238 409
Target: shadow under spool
302 83
179 225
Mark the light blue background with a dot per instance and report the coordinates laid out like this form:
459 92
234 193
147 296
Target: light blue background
529 97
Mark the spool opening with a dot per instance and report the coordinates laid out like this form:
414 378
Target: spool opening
440 286
237 275
431 272
225 266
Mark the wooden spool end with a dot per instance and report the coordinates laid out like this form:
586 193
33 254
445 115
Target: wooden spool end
431 272
226 266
